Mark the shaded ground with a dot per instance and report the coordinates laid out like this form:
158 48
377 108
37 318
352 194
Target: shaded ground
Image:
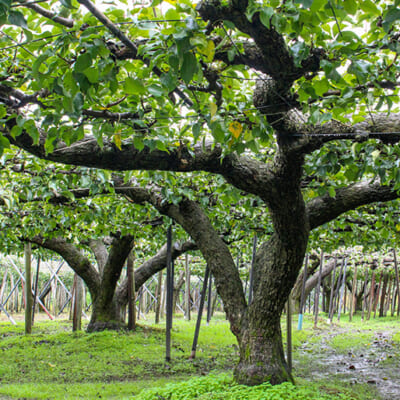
354 357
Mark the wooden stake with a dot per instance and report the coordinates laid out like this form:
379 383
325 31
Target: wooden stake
187 288
158 296
199 314
170 291
303 291
371 295
289 333
316 301
396 269
353 303
342 285
77 311
36 289
131 292
28 289
330 311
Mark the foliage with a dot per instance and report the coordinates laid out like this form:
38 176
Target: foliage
221 387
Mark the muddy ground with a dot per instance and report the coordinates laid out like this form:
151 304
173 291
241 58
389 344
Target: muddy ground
375 361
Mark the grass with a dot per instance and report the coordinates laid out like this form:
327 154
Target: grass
54 363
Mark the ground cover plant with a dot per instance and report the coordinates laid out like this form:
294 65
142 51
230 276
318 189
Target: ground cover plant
54 363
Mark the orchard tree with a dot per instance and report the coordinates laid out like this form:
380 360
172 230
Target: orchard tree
68 211
289 101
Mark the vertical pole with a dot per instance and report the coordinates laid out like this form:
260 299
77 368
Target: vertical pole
158 296
303 291
371 295
383 295
343 283
316 305
131 292
253 257
36 290
330 311
289 333
336 294
77 313
209 299
199 314
396 269
187 288
170 289
364 307
388 296
378 293
28 289
354 294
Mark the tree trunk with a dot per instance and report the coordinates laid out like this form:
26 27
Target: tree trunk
261 353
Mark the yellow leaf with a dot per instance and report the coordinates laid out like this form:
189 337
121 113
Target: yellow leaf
213 109
398 227
51 365
173 2
235 128
117 141
209 51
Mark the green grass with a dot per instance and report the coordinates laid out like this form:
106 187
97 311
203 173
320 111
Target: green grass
54 363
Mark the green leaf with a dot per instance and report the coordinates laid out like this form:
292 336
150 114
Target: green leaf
3 111
304 3
265 16
78 102
350 6
391 16
138 143
92 74
83 62
317 5
134 86
189 67
17 18
156 90
369 7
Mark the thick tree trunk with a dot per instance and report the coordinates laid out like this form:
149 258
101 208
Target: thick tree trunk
262 357
106 315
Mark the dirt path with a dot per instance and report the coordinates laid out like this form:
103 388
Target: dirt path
377 363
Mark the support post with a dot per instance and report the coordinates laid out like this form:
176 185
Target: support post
303 291
396 269
187 288
343 283
36 290
158 297
131 292
353 303
316 304
77 312
28 289
170 291
199 314
289 333
330 311
209 299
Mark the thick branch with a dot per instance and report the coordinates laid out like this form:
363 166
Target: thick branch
69 23
325 208
75 259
